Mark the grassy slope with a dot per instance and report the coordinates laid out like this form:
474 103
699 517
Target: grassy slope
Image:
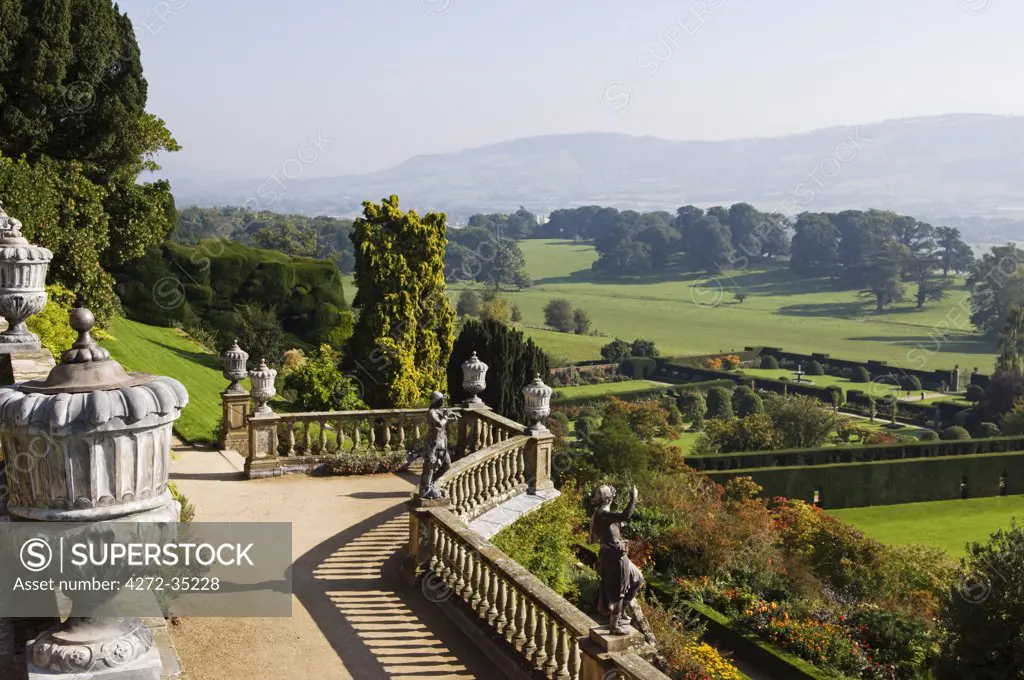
795 314
167 351
945 524
607 389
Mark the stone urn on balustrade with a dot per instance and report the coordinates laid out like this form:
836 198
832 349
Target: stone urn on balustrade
22 285
474 381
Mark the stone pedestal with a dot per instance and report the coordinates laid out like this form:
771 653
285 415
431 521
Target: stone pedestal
234 421
598 648
262 446
538 462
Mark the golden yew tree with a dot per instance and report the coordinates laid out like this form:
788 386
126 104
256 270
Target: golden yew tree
400 346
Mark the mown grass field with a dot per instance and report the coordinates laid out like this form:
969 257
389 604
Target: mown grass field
168 351
945 524
689 313
605 389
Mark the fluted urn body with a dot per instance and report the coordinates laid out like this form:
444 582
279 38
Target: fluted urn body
235 359
474 373
263 386
91 442
22 285
537 396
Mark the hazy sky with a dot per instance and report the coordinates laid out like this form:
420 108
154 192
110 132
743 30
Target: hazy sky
244 83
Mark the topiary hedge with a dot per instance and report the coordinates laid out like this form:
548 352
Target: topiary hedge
638 368
853 454
769 362
955 433
889 482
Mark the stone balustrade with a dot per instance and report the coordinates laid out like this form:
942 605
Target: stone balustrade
329 433
487 478
529 622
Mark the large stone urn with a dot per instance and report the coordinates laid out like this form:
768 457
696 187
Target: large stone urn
91 443
235 359
538 404
263 387
474 374
22 285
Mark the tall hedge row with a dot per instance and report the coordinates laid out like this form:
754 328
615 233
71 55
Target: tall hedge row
890 482
794 458
173 284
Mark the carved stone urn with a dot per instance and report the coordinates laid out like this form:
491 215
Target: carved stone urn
91 443
474 372
538 404
263 387
235 359
22 285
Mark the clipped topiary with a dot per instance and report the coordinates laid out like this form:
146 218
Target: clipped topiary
749 404
769 362
719 403
929 436
815 368
861 375
986 430
911 383
955 433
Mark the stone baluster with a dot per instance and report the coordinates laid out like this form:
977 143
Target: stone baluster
356 437
541 636
575 660
435 538
529 647
521 465
485 591
290 451
476 581
492 597
512 597
562 655
385 432
307 437
371 441
522 605
442 562
401 435
460 569
341 435
551 667
322 444
500 603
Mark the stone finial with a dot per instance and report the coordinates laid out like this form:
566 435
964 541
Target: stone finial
538 404
22 285
263 387
474 373
235 359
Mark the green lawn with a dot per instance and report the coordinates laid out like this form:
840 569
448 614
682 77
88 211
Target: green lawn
168 351
877 389
606 389
945 524
687 313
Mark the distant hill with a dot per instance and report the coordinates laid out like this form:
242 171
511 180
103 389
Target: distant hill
951 168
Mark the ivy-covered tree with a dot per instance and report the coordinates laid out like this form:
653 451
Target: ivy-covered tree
512 362
403 338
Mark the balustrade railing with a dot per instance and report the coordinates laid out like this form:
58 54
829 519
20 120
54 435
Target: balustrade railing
331 433
487 478
548 634
532 619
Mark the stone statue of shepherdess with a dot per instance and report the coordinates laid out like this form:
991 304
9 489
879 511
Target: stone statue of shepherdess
620 578
436 459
